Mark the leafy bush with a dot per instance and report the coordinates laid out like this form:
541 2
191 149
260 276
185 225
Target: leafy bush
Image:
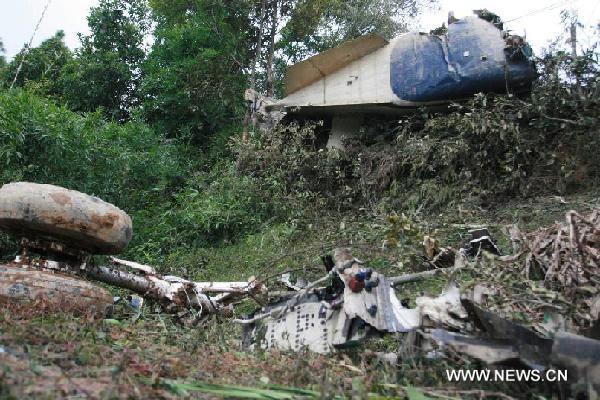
133 167
288 160
215 209
194 76
506 146
128 165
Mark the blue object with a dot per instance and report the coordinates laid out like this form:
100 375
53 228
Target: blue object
471 58
370 284
361 275
372 310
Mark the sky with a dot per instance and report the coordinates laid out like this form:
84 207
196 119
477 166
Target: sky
19 17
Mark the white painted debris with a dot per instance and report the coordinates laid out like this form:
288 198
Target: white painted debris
445 309
321 320
131 264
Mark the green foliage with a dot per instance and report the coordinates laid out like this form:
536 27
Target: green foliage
106 71
242 392
288 159
128 165
2 60
41 67
316 25
506 146
212 209
244 257
194 77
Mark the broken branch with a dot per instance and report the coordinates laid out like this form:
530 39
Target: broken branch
421 276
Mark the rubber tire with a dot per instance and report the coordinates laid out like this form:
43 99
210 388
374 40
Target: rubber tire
49 212
65 292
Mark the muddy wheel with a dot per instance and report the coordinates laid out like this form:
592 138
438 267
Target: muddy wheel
62 292
53 213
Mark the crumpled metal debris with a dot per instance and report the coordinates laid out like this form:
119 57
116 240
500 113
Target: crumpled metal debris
533 349
490 351
322 320
481 240
444 310
581 357
357 301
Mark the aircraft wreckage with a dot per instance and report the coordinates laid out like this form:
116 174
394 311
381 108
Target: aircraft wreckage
59 230
372 76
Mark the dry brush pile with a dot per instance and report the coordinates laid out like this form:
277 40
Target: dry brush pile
553 275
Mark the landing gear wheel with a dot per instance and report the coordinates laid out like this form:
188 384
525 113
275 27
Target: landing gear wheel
53 213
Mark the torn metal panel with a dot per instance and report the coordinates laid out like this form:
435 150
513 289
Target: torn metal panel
326 318
487 350
369 296
379 307
146 269
308 324
533 349
581 357
317 67
470 58
481 240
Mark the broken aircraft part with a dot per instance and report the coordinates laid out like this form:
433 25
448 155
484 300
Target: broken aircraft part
372 75
52 213
65 292
581 357
533 349
176 294
60 229
481 240
323 319
490 351
444 310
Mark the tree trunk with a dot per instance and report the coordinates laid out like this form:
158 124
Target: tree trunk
274 22
249 111
573 32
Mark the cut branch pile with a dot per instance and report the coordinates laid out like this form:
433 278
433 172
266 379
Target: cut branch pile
567 253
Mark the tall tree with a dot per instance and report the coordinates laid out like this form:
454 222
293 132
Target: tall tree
40 66
2 58
107 70
194 76
316 25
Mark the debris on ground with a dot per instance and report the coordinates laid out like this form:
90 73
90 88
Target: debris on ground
567 255
324 319
59 230
536 309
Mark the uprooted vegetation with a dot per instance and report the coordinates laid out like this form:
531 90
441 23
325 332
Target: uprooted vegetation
494 161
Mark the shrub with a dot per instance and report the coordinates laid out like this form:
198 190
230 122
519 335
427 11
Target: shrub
126 164
214 208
